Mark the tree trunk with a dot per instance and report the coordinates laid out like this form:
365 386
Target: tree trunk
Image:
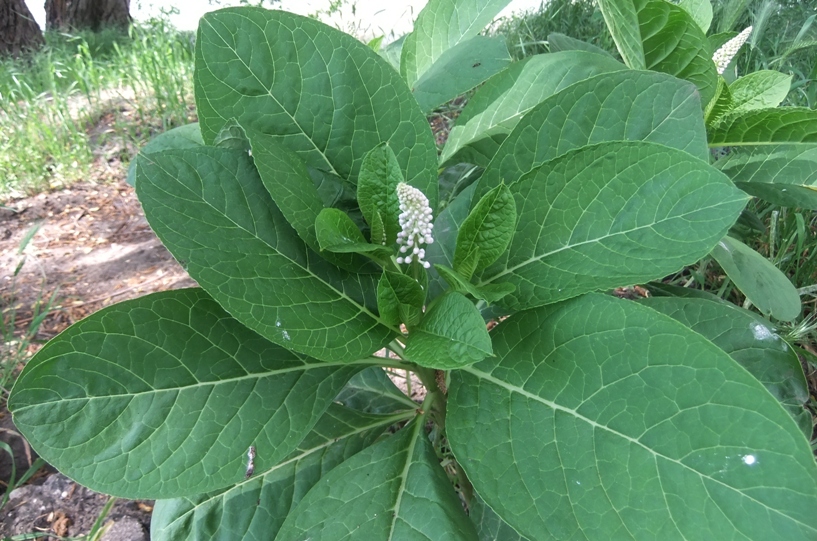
86 14
18 30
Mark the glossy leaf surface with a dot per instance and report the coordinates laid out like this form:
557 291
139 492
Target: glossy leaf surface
752 342
757 277
320 92
600 419
759 90
592 219
211 210
162 396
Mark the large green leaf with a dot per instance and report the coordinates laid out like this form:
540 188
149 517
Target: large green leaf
610 215
666 39
489 526
766 127
255 508
440 26
460 69
322 93
619 106
372 391
700 11
211 210
187 136
603 419
762 283
162 396
752 342
500 103
782 174
392 490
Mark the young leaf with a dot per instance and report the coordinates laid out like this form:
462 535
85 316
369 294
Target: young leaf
255 508
337 233
440 26
619 106
759 90
282 74
486 232
599 415
781 174
210 208
187 136
161 397
451 335
502 101
287 180
752 342
766 127
762 283
460 69
393 490
232 136
377 193
371 391
490 293
400 298
590 220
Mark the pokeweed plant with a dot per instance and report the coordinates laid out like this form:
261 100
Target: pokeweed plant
331 241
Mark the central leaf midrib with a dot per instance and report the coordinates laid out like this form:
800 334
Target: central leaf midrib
404 477
553 405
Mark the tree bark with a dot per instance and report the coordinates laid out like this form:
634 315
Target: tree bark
18 29
86 14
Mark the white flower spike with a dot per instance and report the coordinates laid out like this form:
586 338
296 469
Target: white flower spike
415 221
728 50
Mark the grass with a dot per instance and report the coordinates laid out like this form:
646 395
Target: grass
49 102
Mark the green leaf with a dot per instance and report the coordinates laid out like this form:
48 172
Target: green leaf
600 418
440 26
451 335
320 92
187 136
393 490
751 341
400 298
487 231
626 105
255 508
490 293
560 42
700 11
766 127
611 215
211 210
233 136
460 69
287 180
501 102
782 174
489 526
661 36
446 225
371 391
337 233
757 278
621 17
161 396
759 90
393 51
377 193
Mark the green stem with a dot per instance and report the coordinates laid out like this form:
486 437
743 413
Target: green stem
386 362
397 349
